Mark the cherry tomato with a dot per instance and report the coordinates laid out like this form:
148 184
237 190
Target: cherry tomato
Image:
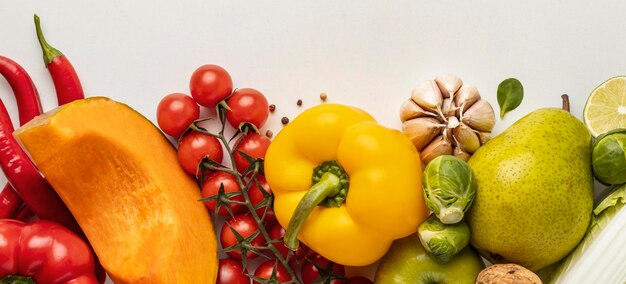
231 272
245 226
310 273
176 112
194 147
210 84
257 196
254 145
358 280
247 105
211 187
265 270
277 232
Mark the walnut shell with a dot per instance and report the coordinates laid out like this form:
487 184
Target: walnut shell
507 274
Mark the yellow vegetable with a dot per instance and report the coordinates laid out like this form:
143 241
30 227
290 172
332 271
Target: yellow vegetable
345 185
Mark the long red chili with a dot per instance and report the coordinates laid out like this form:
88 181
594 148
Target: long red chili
66 82
45 252
29 106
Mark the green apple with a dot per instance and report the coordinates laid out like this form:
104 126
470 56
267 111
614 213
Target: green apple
408 262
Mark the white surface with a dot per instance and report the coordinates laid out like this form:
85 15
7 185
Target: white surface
364 53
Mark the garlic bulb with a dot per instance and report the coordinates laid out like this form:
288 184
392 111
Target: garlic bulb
445 117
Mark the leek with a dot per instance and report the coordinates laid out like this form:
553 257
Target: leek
601 255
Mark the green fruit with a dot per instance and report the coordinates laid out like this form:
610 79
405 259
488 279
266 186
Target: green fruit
535 190
408 262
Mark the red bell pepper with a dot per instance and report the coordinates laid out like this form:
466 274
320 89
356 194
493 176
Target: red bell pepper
46 252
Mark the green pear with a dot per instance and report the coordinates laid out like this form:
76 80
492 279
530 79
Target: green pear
535 190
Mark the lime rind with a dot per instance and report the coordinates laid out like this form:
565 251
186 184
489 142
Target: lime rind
604 109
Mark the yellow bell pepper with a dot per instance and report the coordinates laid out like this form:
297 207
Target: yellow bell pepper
344 185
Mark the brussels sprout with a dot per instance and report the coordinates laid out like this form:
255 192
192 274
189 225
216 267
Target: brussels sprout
443 241
609 157
449 188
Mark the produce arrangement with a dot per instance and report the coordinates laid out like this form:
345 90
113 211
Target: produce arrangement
204 196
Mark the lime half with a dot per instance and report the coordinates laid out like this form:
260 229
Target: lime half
605 109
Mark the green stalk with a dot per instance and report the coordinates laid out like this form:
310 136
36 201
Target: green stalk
49 52
328 185
257 219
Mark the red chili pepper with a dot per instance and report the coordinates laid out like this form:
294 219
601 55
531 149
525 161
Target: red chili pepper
29 106
66 82
46 252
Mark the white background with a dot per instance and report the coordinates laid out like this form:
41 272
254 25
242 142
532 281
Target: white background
368 54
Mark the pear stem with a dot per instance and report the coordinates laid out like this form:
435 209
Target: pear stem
565 102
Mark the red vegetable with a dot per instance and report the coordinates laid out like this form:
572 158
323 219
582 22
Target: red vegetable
257 196
176 112
210 84
266 271
247 105
66 82
45 251
310 273
245 226
231 271
211 188
254 145
29 106
196 146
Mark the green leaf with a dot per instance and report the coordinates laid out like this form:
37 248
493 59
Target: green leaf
510 95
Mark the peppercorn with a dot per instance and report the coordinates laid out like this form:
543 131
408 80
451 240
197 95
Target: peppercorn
272 107
269 133
299 102
284 120
323 97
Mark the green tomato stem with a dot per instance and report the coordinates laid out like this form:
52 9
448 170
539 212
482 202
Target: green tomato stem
49 52
328 185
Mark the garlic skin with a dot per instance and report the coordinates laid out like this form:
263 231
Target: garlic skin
446 117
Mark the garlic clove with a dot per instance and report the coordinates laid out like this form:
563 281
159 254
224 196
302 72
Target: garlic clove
439 146
466 138
421 130
410 110
457 152
428 96
466 97
448 108
480 116
448 84
484 137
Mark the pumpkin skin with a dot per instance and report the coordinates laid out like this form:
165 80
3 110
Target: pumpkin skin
121 179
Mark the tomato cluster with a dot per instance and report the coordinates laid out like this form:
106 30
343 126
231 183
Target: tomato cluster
239 193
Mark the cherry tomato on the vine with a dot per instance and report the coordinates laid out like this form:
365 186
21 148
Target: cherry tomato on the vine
310 273
254 145
211 187
231 271
176 112
277 232
266 269
247 105
245 226
210 84
194 147
257 196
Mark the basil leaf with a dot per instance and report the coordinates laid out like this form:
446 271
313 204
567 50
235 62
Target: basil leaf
510 95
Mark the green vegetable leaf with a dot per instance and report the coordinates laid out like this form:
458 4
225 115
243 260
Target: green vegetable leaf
510 95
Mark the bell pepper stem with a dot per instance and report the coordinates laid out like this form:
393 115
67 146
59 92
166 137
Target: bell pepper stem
328 185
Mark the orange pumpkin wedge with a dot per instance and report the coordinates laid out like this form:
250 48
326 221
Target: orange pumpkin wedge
120 178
